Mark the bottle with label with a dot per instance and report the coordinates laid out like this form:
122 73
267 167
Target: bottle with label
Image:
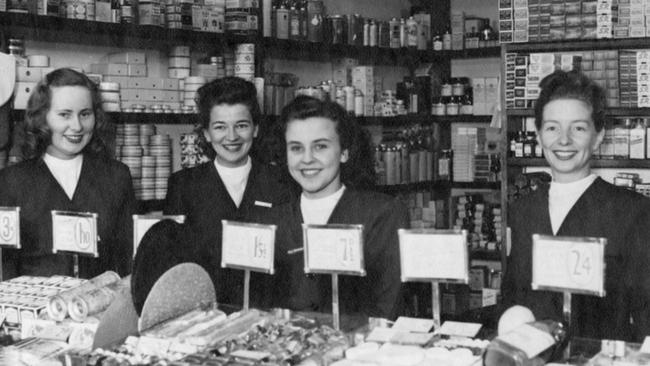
638 140
126 12
411 33
366 33
294 24
372 33
446 40
393 33
437 42
403 42
116 12
444 165
519 145
529 147
534 343
512 146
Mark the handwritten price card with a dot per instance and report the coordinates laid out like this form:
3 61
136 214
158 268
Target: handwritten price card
142 224
434 255
569 264
10 227
74 232
334 249
248 246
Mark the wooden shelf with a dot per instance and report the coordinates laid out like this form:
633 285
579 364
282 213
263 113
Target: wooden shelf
486 255
580 45
595 163
611 112
154 118
436 185
420 118
63 30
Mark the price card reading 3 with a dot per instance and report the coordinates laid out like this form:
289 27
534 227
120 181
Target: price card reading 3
434 255
569 264
10 227
142 223
334 249
248 246
74 232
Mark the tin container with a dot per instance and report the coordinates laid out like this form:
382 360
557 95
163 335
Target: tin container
282 23
349 98
315 21
372 34
411 32
393 33
336 29
295 20
383 34
354 29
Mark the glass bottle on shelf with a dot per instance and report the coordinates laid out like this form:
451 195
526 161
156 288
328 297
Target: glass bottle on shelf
528 145
437 42
446 40
444 165
519 145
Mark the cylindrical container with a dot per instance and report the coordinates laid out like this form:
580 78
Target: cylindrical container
383 34
349 98
57 308
366 33
355 30
339 96
403 41
372 33
314 20
294 24
92 302
393 33
358 103
411 32
282 23
266 19
336 27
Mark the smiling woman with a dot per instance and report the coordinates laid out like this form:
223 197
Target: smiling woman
569 121
68 168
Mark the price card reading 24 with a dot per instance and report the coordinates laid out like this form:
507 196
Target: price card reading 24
334 248
569 264
10 227
74 232
248 246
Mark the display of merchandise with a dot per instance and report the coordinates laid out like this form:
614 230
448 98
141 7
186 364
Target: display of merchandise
474 154
192 152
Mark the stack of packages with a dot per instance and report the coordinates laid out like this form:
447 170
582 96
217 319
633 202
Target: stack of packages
61 310
207 336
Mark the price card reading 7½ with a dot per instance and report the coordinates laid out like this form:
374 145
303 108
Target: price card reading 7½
334 249
74 232
10 227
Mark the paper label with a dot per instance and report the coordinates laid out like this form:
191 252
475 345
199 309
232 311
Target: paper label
381 335
460 329
645 347
10 227
569 264
74 232
529 339
334 249
142 223
248 246
427 255
413 324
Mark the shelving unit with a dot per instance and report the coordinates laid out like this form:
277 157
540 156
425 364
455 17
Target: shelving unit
595 163
438 185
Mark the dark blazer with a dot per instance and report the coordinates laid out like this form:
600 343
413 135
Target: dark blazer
200 194
104 188
604 210
378 293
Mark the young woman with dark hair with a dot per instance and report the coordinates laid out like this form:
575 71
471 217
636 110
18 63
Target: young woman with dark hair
235 186
328 155
570 127
68 168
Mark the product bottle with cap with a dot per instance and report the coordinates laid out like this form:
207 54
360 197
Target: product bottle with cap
529 344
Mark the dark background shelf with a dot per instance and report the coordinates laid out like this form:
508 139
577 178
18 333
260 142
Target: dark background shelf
595 163
611 112
419 118
578 45
436 185
486 255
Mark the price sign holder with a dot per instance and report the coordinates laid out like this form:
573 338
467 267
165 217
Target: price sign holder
571 265
334 249
142 223
76 233
435 256
249 247
9 230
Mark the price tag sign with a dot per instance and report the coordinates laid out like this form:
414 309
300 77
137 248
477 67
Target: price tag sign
569 264
434 255
142 224
248 246
74 232
334 249
10 227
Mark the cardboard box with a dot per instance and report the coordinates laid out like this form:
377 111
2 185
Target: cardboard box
110 69
137 70
138 58
22 91
25 73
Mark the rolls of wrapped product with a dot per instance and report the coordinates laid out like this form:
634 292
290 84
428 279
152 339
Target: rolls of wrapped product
57 308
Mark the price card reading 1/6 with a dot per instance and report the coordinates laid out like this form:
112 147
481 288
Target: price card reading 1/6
10 227
142 223
434 255
248 246
334 249
569 264
74 232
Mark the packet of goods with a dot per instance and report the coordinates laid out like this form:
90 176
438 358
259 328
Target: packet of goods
97 300
57 308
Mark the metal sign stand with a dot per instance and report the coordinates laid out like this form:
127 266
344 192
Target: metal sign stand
435 304
335 301
247 288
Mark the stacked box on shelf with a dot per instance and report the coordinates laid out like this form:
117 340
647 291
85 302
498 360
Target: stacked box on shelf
643 78
209 16
558 20
424 212
589 19
464 143
520 73
474 213
506 21
122 64
544 20
26 79
604 23
363 79
457 30
628 95
147 92
637 21
510 79
484 286
621 27
534 20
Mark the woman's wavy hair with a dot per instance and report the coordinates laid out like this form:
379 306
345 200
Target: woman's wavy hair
358 172
37 133
228 90
571 85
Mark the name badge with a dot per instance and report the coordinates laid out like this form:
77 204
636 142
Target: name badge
10 227
434 255
334 249
569 264
248 246
74 232
142 224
